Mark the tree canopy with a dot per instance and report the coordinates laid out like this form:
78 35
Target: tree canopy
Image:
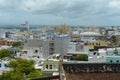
22 69
12 75
114 41
16 44
4 53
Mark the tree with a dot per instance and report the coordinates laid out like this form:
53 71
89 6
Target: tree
16 44
12 76
4 53
114 41
81 57
33 74
22 69
25 67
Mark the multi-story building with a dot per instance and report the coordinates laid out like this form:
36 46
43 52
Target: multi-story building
56 45
89 36
51 66
33 48
97 43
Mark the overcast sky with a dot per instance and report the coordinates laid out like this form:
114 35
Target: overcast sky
53 12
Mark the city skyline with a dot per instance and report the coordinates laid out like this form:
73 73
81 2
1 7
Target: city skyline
55 12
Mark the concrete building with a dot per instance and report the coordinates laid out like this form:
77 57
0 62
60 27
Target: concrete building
51 66
55 45
72 47
113 59
38 34
89 36
2 34
3 66
24 27
3 42
74 35
97 43
34 47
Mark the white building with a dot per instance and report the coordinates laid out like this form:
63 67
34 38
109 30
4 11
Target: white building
3 66
33 48
72 47
56 45
89 36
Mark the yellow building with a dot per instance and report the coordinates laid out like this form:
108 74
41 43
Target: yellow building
97 43
27 34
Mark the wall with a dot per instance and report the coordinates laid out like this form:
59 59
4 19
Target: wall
97 43
113 59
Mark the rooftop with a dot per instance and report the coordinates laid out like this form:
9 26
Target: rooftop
90 33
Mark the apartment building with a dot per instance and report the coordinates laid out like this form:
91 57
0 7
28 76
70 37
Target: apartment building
56 45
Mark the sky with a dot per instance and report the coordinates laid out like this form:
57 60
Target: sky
55 12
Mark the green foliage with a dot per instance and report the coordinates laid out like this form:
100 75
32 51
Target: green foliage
16 44
34 74
21 69
113 40
14 64
4 53
81 57
12 76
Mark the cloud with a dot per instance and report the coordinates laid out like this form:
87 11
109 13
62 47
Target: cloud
77 10
115 4
59 7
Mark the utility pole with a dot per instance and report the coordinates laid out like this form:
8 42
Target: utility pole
61 71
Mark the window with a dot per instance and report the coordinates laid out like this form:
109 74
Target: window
98 54
50 66
111 61
51 44
36 51
96 43
51 49
99 44
46 66
117 61
6 65
51 53
0 65
90 43
94 53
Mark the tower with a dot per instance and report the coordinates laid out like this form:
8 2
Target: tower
25 27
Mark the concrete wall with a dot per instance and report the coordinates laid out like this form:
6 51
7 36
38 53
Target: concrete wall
113 59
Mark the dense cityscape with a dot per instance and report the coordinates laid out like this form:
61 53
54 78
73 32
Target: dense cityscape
39 52
59 40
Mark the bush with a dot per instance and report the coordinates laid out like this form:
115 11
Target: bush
81 57
4 53
16 44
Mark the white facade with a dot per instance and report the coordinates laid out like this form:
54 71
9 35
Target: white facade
72 47
57 45
89 36
3 68
33 48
